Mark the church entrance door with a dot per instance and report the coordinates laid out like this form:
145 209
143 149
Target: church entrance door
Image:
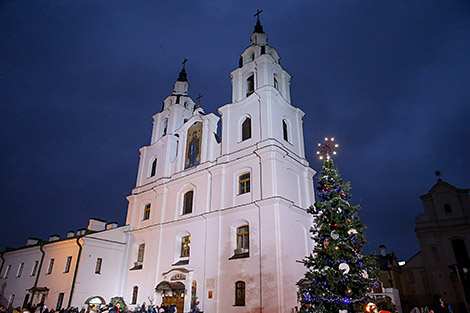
175 299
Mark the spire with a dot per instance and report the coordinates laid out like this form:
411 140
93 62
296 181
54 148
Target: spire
181 84
258 26
183 77
259 37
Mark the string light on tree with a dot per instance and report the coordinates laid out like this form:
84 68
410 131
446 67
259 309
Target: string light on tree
338 275
327 148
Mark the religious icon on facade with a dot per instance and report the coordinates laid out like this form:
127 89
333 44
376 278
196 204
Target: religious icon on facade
193 145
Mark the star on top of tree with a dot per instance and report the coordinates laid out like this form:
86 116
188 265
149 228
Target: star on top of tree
327 148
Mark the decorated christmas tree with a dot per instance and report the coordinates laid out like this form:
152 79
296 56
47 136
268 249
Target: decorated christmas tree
338 276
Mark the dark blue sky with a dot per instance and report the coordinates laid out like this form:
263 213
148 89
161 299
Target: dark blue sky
80 80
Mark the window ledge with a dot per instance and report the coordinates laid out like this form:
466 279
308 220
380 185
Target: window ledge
240 256
137 266
181 262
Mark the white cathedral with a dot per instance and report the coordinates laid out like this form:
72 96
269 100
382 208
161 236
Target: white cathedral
220 220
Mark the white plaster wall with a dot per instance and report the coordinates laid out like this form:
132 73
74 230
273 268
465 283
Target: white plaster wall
18 285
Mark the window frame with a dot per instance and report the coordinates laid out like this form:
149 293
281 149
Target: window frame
153 167
188 205
243 237
68 263
7 271
185 246
240 293
99 263
60 301
50 267
146 212
285 130
250 82
246 129
244 183
20 270
135 292
140 253
35 268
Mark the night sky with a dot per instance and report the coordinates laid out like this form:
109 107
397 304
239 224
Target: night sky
80 81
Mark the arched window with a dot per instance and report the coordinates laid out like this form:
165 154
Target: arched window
250 85
276 83
246 129
284 130
153 170
185 246
135 291
460 250
140 253
243 238
240 293
447 208
146 214
188 202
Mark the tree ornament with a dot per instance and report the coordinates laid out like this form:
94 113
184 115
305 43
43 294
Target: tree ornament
365 274
336 248
325 243
334 235
325 188
335 224
352 231
349 291
339 210
344 268
320 213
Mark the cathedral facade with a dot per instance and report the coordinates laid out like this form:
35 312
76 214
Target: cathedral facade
218 221
224 220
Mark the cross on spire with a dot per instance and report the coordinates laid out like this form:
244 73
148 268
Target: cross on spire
184 62
258 13
199 100
438 174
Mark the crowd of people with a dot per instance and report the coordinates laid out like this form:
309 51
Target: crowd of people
110 308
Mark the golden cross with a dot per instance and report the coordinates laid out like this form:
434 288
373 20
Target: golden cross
199 100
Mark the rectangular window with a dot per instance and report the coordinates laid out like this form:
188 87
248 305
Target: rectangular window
20 270
49 268
7 271
35 268
10 301
68 261
185 244
98 266
244 183
140 254
26 300
146 212
60 299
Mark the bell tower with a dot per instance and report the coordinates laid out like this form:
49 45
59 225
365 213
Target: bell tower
177 109
261 101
